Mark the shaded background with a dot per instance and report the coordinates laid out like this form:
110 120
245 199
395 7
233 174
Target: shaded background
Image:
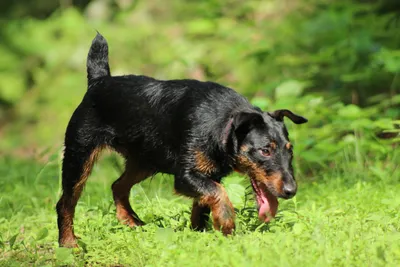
335 62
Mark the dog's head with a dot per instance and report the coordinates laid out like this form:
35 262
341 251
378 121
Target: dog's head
262 150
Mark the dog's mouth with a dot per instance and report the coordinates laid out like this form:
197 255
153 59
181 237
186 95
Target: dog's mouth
266 201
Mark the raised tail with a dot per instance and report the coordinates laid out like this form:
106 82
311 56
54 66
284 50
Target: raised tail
97 60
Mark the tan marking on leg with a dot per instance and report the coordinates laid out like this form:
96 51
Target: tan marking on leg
66 232
67 206
87 170
222 210
121 189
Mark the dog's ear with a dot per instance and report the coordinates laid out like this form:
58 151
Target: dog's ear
244 122
280 113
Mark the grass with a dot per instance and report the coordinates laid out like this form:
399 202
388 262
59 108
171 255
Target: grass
341 219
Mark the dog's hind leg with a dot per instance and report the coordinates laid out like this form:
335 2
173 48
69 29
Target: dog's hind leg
121 189
77 166
83 143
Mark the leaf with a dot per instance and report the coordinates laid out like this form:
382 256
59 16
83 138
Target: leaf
82 245
64 255
201 26
376 217
383 123
380 251
390 59
11 86
350 112
290 89
298 228
12 240
379 172
236 193
235 189
43 233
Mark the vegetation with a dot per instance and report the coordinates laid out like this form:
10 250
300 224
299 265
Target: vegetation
341 219
335 62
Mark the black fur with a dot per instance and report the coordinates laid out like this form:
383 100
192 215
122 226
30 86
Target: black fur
97 61
190 129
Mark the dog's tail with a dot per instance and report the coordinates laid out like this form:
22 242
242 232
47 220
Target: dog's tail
97 60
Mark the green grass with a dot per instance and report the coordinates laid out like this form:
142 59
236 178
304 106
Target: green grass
337 219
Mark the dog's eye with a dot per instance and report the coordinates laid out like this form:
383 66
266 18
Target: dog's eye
266 152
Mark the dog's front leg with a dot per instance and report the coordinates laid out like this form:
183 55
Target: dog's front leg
200 216
208 193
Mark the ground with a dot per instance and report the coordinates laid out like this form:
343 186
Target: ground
337 219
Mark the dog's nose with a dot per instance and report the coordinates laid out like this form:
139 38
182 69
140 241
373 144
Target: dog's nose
289 190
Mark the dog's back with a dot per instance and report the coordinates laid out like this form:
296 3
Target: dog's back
153 117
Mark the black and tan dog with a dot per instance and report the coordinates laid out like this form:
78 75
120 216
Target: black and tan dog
197 131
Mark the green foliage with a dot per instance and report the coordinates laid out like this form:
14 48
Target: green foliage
335 130
339 220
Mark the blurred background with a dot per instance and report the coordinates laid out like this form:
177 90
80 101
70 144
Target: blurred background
335 62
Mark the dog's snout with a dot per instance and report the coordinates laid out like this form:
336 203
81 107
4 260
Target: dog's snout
289 190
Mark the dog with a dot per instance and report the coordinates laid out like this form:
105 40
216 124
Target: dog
196 131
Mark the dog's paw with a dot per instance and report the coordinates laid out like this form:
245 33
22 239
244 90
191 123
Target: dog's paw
129 219
68 243
224 219
225 226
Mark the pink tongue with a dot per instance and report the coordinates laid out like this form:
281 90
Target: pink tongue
268 206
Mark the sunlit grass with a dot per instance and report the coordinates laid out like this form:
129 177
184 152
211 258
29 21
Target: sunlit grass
334 221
